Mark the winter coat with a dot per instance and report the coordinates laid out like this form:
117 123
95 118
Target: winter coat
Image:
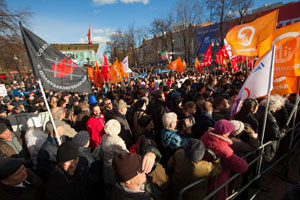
203 122
86 153
32 191
186 172
157 110
95 128
173 139
137 128
81 120
34 139
272 132
230 162
249 119
126 133
111 145
9 151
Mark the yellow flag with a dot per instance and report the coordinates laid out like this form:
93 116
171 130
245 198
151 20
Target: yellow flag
279 37
244 38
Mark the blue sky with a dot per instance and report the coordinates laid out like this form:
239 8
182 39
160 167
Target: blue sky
61 21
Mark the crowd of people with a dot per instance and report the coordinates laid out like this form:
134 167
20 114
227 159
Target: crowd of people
145 138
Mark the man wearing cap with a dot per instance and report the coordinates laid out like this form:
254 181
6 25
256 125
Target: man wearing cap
11 143
126 133
47 155
70 179
217 139
132 182
17 182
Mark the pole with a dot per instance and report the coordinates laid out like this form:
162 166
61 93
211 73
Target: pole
49 111
285 167
267 107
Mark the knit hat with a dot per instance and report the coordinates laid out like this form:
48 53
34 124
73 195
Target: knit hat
81 138
238 127
223 126
126 166
112 127
9 165
194 150
145 120
34 122
67 151
3 127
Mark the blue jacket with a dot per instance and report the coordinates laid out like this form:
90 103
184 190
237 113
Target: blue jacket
173 139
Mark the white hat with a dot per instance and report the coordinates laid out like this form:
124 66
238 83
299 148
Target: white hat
112 127
238 127
34 122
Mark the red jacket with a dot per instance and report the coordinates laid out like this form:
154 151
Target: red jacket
229 160
95 127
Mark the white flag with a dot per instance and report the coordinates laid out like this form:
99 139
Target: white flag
257 83
125 65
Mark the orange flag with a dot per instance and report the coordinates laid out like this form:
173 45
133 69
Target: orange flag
98 79
115 73
279 37
244 38
126 75
173 65
176 65
285 85
197 62
91 73
183 64
287 58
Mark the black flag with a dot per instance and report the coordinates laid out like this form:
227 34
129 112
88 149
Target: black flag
56 71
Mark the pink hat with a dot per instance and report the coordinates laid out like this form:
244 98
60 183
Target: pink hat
223 126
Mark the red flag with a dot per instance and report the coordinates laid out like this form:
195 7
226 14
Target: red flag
105 68
234 64
89 35
220 57
98 78
250 63
207 56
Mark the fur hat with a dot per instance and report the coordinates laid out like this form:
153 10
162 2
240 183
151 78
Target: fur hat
238 127
3 127
194 150
126 166
81 138
223 126
9 165
112 127
67 151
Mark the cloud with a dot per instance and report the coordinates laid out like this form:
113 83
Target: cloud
103 2
99 31
135 1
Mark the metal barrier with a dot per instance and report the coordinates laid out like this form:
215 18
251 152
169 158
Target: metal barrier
295 142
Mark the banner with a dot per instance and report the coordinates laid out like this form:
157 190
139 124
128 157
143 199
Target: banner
56 71
143 75
115 73
257 83
207 56
244 38
91 73
159 71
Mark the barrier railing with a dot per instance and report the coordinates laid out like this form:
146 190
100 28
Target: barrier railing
295 142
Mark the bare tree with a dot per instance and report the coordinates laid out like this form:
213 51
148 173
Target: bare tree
11 46
222 10
243 7
188 15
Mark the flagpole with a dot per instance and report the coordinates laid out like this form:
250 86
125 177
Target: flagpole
285 167
266 109
49 111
